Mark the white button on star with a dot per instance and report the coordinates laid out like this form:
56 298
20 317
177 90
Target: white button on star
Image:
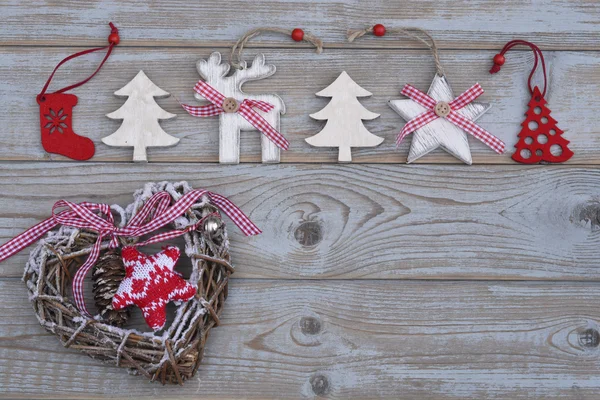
440 132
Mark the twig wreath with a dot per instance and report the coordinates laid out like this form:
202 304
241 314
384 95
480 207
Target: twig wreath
169 356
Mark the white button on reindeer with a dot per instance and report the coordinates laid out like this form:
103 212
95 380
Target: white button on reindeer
215 74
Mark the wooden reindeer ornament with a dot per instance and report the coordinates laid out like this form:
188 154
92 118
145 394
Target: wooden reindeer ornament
231 124
238 111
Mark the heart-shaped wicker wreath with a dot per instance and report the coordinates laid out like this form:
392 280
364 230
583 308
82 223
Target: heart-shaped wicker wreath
169 356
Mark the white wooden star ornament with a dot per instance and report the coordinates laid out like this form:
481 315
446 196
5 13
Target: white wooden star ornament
437 118
440 132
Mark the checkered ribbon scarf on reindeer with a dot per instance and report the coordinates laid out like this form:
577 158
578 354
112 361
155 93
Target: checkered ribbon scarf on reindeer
453 116
246 110
98 218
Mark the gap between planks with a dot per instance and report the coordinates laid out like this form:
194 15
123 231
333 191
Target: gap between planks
223 47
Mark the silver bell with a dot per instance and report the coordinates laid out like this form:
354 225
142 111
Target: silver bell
212 225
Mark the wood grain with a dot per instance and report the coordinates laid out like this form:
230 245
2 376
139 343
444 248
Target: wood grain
574 78
479 24
341 339
344 317
359 221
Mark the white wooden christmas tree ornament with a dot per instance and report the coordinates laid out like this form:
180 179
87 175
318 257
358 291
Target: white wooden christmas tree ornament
344 114
140 114
231 124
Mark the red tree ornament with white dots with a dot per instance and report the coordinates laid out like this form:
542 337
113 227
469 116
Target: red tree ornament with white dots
540 139
539 134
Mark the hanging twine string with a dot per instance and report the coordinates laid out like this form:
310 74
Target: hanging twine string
298 35
113 40
413 33
499 61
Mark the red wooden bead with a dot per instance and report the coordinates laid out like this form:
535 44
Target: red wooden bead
298 34
499 59
113 38
379 30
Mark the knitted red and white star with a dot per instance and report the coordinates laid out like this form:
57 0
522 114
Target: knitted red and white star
150 283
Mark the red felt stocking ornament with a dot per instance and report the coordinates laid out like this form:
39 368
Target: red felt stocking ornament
539 133
56 111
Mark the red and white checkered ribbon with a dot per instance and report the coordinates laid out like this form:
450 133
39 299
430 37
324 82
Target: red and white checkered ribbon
454 117
98 218
246 110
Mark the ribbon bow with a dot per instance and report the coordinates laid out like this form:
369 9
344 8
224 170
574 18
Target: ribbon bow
245 109
89 216
451 115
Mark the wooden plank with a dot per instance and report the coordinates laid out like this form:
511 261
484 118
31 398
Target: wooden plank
455 23
574 76
360 221
341 339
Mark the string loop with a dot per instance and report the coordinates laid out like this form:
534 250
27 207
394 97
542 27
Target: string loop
113 41
411 32
235 59
537 54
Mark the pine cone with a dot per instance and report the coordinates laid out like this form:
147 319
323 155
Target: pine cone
107 275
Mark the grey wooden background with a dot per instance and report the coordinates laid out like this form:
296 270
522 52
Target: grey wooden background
375 279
